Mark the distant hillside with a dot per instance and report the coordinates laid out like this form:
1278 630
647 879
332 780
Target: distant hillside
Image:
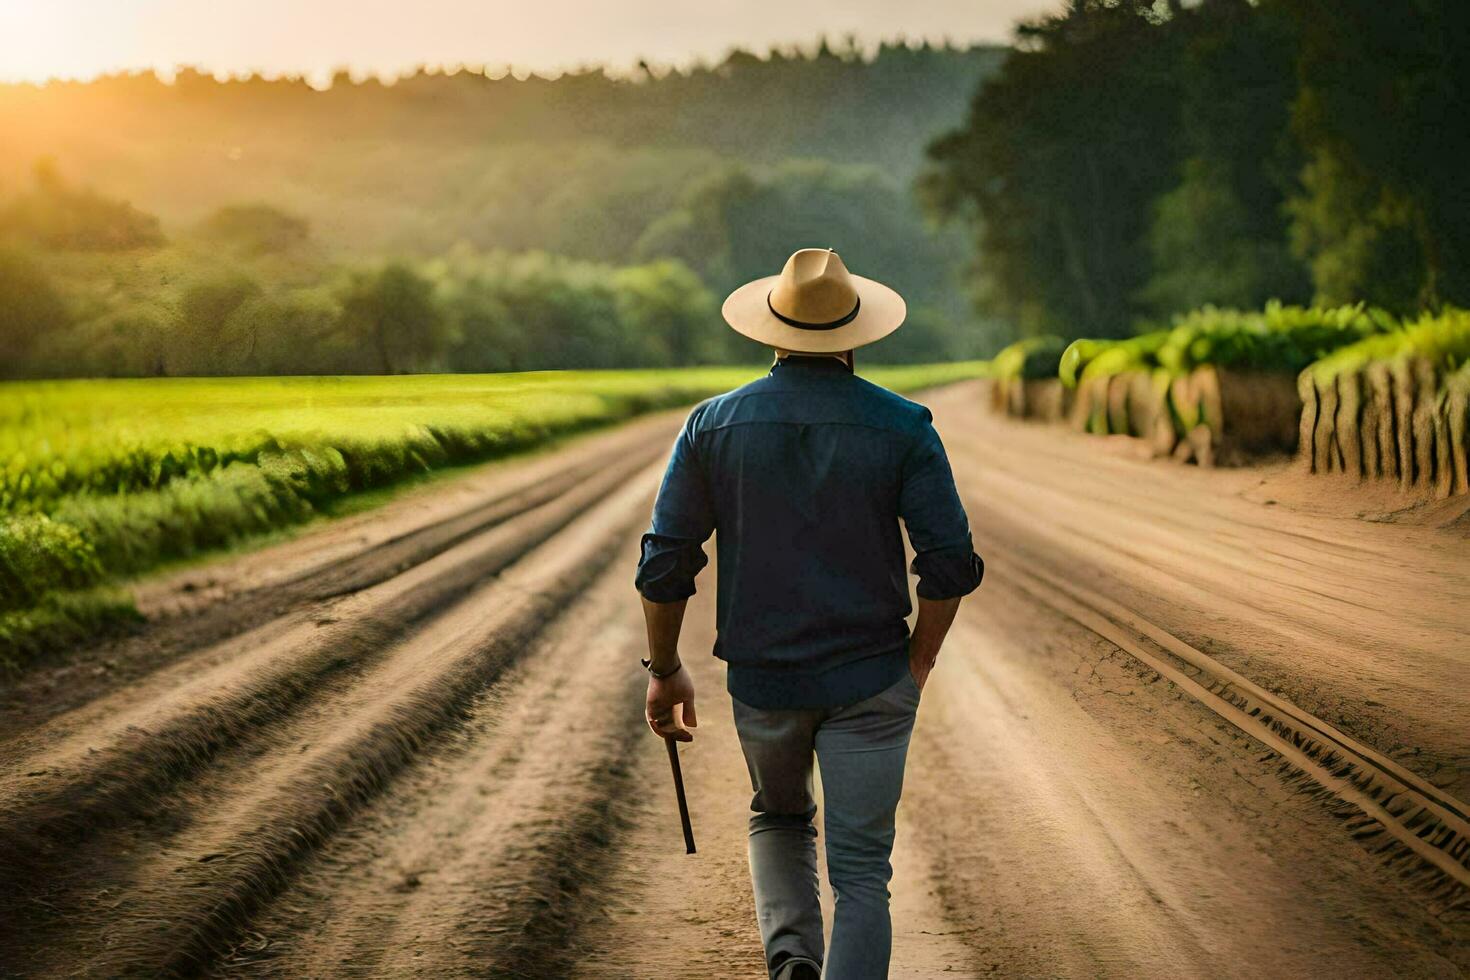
265 227
577 165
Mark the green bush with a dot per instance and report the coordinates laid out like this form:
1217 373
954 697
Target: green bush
1030 359
1084 359
1279 339
38 554
1443 341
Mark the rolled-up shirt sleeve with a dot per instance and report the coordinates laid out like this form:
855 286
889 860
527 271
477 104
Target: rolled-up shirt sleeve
683 519
944 554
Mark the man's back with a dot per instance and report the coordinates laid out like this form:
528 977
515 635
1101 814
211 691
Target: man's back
805 474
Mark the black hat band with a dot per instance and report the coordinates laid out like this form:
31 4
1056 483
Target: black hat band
803 325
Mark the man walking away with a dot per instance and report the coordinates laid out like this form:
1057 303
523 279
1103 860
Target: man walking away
806 474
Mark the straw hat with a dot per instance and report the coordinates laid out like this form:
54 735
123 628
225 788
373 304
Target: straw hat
814 306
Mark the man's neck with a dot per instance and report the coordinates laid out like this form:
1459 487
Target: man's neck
846 356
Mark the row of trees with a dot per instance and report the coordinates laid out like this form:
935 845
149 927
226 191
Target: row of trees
470 311
473 312
1135 158
90 286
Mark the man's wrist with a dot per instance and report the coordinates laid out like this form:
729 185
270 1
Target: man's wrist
663 667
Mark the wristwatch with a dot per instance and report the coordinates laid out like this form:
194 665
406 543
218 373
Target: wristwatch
648 666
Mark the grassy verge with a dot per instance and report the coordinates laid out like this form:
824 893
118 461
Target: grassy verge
103 480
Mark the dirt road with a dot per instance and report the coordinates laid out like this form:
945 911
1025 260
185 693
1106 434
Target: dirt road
409 744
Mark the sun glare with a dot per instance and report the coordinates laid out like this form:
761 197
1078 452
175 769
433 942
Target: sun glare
73 39
80 39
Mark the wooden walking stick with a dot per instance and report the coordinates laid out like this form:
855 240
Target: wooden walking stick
679 792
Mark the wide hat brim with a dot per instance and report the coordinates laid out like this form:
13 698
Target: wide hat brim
880 312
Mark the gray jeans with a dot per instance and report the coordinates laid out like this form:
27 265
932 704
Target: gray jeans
861 749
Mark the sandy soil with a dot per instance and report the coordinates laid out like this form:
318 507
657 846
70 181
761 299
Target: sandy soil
410 744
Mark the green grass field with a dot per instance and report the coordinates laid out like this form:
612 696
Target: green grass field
108 479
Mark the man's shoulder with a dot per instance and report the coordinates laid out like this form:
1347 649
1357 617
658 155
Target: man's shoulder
717 406
856 401
906 414
722 408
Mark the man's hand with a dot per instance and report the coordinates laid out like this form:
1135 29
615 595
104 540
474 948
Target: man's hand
671 700
935 617
920 668
670 708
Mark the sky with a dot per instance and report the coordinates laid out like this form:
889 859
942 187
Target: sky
40 39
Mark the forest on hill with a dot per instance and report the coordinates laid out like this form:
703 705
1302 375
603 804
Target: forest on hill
206 226
1134 159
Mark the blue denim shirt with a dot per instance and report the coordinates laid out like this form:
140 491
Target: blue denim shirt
805 475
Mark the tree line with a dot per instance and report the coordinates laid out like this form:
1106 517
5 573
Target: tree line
491 312
1132 159
89 286
260 205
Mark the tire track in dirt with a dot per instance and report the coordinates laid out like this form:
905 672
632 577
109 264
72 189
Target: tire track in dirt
191 611
1084 820
1408 821
480 859
117 755
242 841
